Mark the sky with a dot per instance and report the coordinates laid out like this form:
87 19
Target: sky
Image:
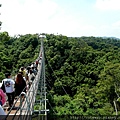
72 18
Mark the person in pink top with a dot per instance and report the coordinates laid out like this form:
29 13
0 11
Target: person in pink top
2 97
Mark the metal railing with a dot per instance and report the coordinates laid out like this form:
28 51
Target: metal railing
26 101
34 101
41 93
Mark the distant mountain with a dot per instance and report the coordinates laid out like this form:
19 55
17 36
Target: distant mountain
111 38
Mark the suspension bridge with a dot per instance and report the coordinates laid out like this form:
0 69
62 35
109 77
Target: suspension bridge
34 102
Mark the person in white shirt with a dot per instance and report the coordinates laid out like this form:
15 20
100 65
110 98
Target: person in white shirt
9 88
31 76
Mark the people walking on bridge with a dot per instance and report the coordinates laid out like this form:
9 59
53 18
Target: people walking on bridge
34 70
20 85
22 76
8 83
31 76
2 97
34 65
22 69
37 62
28 69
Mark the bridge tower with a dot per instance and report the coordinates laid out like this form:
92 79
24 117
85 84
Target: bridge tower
41 92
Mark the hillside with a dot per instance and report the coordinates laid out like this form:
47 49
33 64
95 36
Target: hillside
17 51
82 73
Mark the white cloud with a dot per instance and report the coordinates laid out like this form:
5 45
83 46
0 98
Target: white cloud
108 4
33 16
46 16
30 16
116 24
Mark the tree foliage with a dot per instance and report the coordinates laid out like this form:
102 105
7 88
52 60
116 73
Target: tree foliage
82 73
17 51
86 69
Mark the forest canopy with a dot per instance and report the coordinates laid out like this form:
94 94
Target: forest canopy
17 51
82 73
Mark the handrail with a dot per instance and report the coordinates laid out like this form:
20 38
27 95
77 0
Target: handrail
25 109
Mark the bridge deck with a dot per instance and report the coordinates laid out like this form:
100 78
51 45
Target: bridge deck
12 112
26 107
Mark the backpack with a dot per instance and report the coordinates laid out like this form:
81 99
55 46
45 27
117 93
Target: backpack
3 97
3 87
32 78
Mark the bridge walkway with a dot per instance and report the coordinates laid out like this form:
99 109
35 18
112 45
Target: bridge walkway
34 101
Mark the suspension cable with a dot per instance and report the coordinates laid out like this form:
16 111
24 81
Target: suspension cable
55 75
